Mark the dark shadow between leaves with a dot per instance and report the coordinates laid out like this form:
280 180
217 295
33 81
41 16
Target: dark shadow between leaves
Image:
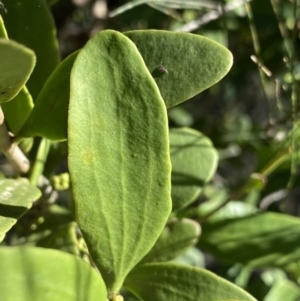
12 211
185 180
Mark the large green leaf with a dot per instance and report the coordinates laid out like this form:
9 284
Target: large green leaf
30 22
167 281
16 197
16 65
118 154
267 239
194 63
49 116
35 274
194 162
177 237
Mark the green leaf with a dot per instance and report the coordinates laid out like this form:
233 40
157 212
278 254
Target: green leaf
18 110
50 113
30 23
118 154
194 63
177 237
16 197
37 274
193 257
263 240
233 209
167 281
283 290
16 65
194 162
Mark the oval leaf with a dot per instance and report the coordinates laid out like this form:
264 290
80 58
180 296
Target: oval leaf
16 65
194 162
167 281
37 274
193 63
118 154
50 113
18 109
263 240
30 22
177 237
16 197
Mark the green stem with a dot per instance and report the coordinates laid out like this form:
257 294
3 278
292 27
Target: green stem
290 51
266 171
39 164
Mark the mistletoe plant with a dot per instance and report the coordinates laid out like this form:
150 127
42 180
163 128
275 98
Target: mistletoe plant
130 174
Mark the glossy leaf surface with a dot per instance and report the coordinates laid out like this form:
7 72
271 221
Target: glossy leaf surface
37 274
16 197
267 239
167 281
194 162
193 63
118 154
16 65
30 23
176 238
50 114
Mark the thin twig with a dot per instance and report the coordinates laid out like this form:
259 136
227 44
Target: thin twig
11 151
210 16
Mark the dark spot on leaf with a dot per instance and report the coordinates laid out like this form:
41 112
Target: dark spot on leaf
157 73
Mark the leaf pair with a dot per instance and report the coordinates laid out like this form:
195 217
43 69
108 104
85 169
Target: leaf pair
193 63
43 274
120 169
21 26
